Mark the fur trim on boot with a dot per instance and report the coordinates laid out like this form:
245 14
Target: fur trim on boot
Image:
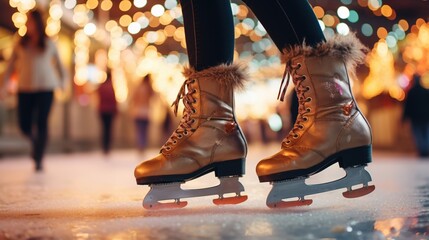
346 48
234 75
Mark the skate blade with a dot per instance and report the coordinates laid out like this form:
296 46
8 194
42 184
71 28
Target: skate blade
172 205
359 192
229 200
288 204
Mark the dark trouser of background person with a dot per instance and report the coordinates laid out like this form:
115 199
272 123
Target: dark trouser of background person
35 108
421 137
142 132
106 131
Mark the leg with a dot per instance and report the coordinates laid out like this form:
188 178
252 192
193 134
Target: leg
25 113
426 139
340 134
144 126
420 138
208 22
288 22
26 109
44 103
141 127
106 120
208 138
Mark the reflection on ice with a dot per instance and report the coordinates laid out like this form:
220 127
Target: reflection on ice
81 196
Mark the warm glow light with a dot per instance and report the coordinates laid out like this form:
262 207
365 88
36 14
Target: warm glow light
154 22
91 4
157 10
69 4
179 34
374 4
110 24
386 10
169 30
165 19
22 30
322 25
90 29
170 4
404 24
237 32
140 3
134 28
125 5
318 11
125 20
343 12
55 11
137 15
143 21
381 76
242 11
19 19
328 20
382 32
420 22
106 5
343 29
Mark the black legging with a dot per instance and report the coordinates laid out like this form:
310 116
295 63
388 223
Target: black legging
209 27
33 113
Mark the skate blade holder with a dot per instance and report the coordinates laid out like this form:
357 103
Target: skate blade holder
298 188
159 194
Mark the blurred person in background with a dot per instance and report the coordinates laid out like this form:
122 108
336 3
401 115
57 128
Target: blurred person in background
36 63
107 108
140 108
416 110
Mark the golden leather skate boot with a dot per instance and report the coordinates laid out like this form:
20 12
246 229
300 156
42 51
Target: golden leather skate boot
329 128
207 139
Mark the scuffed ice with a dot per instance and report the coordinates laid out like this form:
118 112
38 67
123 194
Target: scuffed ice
89 196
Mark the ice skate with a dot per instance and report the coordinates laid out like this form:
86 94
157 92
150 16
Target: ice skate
174 193
297 188
329 128
208 139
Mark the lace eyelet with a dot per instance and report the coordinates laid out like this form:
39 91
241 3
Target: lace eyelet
308 110
309 99
304 77
307 88
193 81
305 119
194 111
295 136
168 148
193 121
174 142
288 142
298 65
185 133
194 91
180 136
300 126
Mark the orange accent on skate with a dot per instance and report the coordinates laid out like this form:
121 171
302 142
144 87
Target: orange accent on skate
359 192
230 200
172 205
298 203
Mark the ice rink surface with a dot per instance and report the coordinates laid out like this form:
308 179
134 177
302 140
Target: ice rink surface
91 196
